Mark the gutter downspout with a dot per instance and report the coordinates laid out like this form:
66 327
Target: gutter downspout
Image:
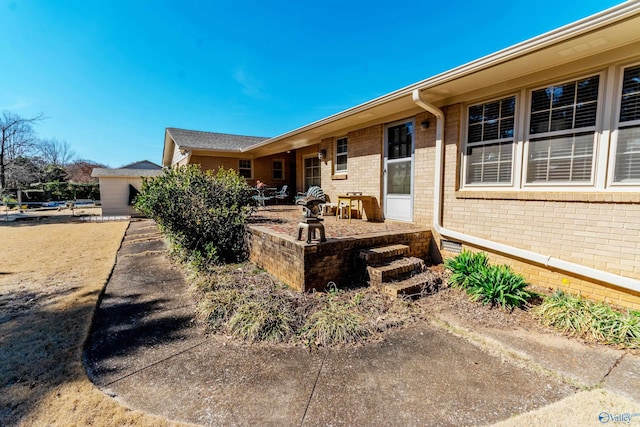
546 260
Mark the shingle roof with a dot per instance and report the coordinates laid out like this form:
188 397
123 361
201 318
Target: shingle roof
125 172
212 140
144 164
132 170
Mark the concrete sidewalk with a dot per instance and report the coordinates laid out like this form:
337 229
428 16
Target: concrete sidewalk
146 351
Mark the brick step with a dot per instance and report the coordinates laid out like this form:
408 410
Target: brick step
373 256
425 281
394 270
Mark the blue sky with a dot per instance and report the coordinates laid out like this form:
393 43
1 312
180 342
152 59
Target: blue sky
111 75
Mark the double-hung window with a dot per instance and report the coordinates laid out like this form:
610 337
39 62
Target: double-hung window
490 142
278 170
341 155
565 141
562 133
627 150
244 168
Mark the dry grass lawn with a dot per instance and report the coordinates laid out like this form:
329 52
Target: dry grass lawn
51 276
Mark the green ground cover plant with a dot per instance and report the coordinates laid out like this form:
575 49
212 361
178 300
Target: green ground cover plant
202 213
496 285
597 321
463 265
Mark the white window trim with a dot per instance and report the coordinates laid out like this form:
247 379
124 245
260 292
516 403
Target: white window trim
615 125
606 133
516 143
251 168
335 156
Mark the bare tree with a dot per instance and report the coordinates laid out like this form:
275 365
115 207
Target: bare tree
23 171
55 152
17 139
80 170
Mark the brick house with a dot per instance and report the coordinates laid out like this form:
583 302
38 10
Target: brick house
531 154
214 150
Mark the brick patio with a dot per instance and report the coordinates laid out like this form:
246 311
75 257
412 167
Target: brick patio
273 245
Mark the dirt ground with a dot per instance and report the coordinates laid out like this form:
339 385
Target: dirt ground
51 275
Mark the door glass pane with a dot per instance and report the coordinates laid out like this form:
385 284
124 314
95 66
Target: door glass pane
399 141
399 178
311 172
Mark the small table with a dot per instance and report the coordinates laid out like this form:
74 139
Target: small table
261 197
347 199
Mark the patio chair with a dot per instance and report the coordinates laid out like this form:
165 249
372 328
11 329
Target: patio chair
314 191
327 207
283 194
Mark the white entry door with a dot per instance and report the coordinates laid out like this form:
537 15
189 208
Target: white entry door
398 171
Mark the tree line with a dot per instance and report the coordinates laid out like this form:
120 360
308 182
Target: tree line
28 161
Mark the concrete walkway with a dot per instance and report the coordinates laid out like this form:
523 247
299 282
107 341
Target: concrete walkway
146 351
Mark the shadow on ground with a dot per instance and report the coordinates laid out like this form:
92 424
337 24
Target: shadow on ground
146 351
39 350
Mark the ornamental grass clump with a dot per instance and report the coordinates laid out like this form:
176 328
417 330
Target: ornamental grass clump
244 302
334 323
263 319
216 307
597 321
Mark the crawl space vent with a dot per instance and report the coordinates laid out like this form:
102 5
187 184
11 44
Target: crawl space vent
448 245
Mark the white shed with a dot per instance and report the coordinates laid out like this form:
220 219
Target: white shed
119 186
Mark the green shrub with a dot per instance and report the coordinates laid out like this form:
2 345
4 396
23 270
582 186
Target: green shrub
462 265
498 285
577 316
201 212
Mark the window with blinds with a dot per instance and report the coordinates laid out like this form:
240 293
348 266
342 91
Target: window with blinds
627 158
562 132
490 133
